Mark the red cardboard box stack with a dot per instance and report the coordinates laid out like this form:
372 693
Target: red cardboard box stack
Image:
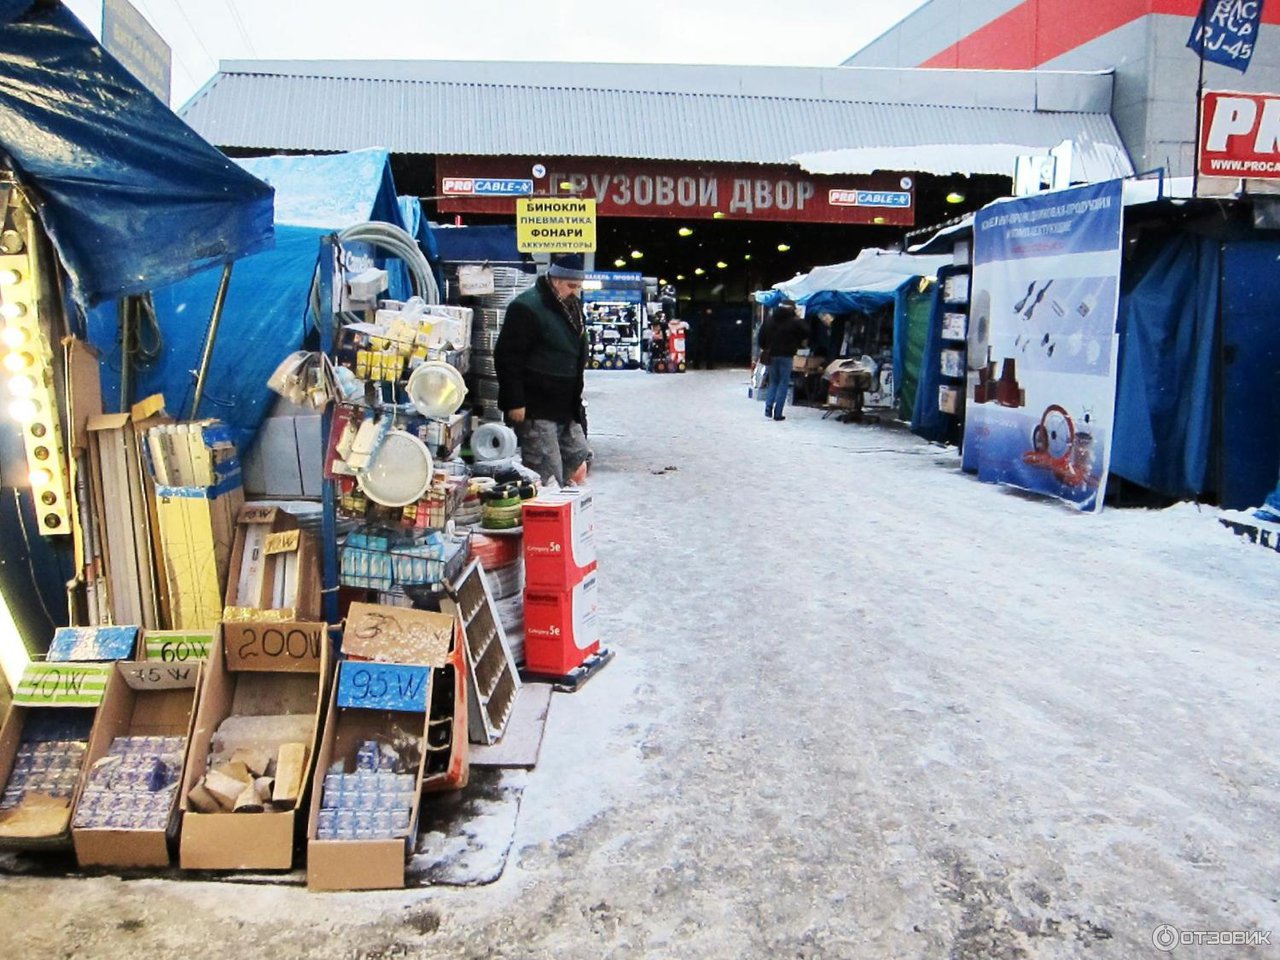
561 629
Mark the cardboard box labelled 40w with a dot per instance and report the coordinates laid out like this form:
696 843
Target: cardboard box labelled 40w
267 682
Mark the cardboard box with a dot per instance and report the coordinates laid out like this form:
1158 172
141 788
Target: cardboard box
259 669
559 538
561 627
421 637
53 703
950 400
371 701
273 564
142 700
286 459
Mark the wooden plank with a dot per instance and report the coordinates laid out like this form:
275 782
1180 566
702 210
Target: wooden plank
522 741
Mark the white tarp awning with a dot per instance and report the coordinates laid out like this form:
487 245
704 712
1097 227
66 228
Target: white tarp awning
872 271
1093 161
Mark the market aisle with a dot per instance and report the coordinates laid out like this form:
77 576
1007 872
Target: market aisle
863 706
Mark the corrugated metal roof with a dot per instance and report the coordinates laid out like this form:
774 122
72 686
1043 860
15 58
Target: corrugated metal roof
645 111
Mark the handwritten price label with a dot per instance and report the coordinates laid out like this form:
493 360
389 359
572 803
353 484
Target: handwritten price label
178 646
62 685
274 647
368 685
154 676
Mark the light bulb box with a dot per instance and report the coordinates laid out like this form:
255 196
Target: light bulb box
142 699
559 538
386 704
561 627
45 738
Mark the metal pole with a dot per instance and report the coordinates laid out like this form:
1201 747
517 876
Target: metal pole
125 309
212 335
1195 147
326 321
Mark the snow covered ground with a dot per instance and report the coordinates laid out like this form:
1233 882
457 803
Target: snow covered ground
863 706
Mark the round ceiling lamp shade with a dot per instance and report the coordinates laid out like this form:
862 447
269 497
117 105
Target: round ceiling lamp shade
400 472
436 389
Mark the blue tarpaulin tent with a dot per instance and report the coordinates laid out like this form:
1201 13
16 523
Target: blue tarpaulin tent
266 312
131 197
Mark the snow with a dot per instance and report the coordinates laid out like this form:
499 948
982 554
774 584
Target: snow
863 706
1096 161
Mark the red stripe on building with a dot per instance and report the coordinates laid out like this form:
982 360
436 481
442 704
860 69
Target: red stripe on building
1037 31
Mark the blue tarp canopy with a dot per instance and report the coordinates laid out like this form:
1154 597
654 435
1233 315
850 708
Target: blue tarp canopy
862 284
266 312
481 244
132 197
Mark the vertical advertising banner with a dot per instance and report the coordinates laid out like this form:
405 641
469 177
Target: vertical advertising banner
1042 342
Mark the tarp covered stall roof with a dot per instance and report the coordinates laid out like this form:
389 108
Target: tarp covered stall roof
266 311
131 197
869 280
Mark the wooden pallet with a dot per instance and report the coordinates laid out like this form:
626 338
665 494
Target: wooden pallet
572 681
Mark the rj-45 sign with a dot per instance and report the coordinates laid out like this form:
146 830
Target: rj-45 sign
554 225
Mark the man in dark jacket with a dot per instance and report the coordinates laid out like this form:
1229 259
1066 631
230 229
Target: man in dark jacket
781 335
540 357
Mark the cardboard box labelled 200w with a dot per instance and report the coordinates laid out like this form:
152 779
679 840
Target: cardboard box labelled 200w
364 806
127 812
422 638
561 627
263 693
559 539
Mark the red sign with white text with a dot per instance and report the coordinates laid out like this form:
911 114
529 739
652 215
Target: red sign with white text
1240 135
655 188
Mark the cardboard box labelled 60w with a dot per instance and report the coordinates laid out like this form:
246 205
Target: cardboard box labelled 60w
559 539
384 703
256 669
142 699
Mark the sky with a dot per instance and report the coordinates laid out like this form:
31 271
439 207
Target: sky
798 33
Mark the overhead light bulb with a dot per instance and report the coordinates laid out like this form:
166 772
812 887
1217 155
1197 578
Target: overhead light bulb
685 231
24 410
637 254
721 264
9 277
955 197
17 362
783 247
698 271
679 276
619 262
566 185
746 256
718 215
13 309
661 282
40 477
877 220
22 386
13 337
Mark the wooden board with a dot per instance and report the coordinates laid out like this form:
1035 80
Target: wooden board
522 741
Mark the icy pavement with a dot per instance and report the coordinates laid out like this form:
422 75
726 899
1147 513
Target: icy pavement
863 706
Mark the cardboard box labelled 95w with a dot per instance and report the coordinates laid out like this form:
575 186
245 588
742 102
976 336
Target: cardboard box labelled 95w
422 638
559 538
256 669
383 702
142 699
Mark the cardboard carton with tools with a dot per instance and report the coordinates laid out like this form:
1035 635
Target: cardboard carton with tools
253 745
127 811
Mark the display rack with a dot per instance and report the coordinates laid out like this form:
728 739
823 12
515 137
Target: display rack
954 334
494 681
613 314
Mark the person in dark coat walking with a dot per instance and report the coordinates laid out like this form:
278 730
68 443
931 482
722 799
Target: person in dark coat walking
781 335
540 357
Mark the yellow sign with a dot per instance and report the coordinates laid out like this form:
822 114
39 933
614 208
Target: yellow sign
555 225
